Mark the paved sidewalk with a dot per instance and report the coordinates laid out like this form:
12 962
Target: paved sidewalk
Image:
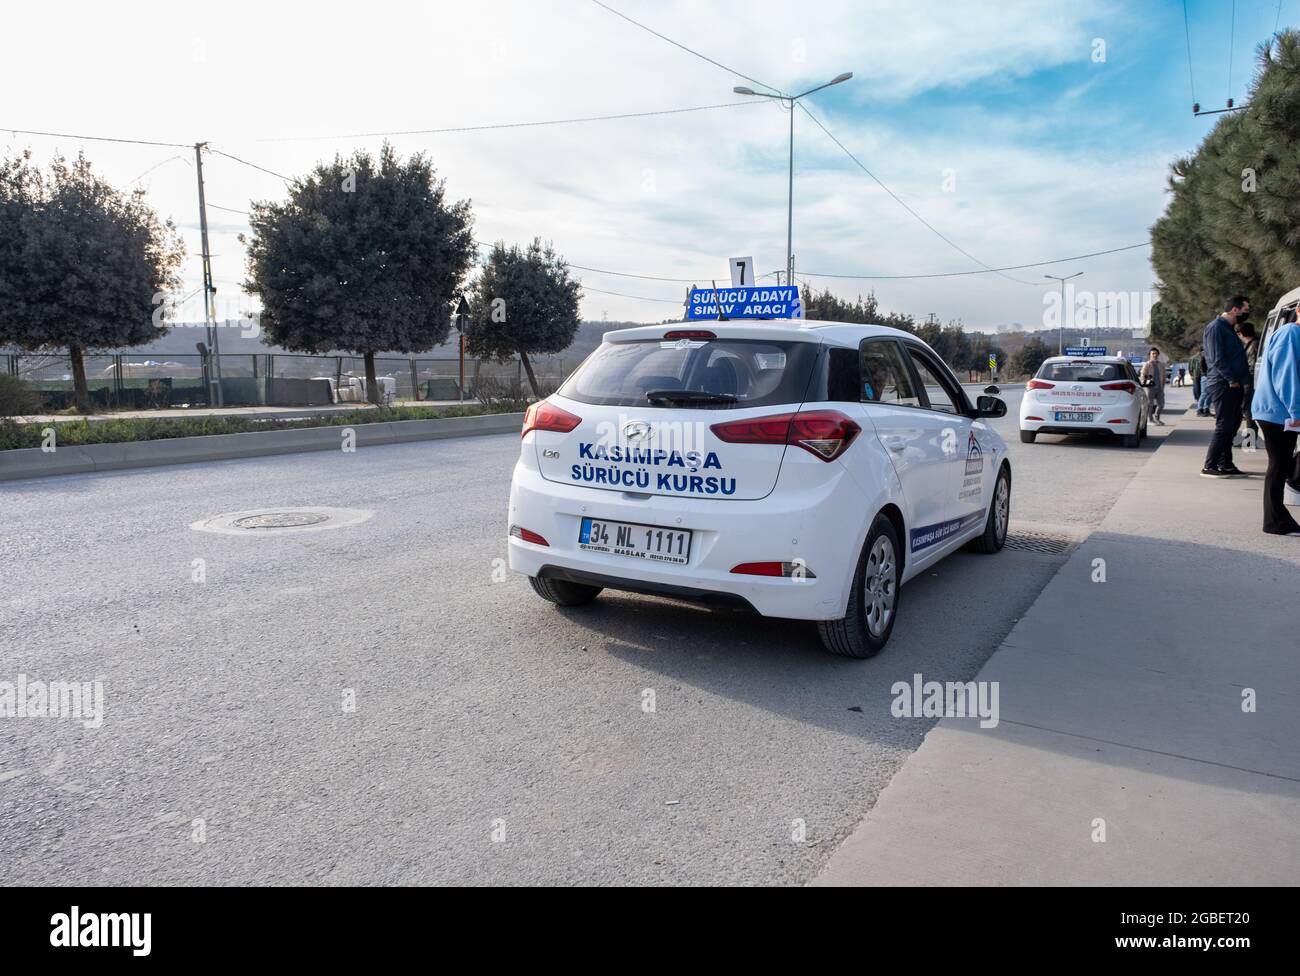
1121 701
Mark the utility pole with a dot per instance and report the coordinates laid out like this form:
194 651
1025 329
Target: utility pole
789 212
209 300
1060 338
789 102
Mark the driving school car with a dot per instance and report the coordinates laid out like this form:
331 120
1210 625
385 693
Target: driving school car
1090 395
799 469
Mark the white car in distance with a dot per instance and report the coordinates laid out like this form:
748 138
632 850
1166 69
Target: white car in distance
1085 395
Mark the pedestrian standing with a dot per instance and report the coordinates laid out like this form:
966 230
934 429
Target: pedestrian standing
1276 408
1153 378
1249 342
1226 377
1202 397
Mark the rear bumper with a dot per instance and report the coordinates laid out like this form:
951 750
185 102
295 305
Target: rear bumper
1110 419
689 593
792 523
1112 429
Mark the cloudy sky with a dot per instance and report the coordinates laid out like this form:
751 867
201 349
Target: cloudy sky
1021 130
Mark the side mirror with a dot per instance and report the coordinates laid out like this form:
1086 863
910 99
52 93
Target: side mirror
991 390
990 406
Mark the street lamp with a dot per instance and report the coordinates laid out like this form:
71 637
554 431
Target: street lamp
788 101
1060 339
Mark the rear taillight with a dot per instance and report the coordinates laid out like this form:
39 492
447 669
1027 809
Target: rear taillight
545 415
1127 387
689 334
796 570
528 535
826 434
1039 385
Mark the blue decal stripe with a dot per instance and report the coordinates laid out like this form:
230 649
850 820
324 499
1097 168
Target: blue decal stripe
929 535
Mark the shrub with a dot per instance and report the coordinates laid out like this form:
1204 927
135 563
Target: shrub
16 397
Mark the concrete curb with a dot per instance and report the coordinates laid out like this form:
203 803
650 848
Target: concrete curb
35 463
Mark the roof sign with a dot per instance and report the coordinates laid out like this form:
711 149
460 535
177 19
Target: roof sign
762 302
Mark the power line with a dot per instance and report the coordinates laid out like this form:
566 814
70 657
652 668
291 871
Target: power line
641 298
664 37
628 274
511 125
72 135
156 165
253 165
1232 39
1187 31
934 230
213 206
960 274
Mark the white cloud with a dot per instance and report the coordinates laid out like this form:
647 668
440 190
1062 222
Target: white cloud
671 196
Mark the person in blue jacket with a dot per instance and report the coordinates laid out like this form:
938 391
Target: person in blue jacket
1276 407
1225 381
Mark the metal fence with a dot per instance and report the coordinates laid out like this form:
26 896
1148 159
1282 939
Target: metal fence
155 380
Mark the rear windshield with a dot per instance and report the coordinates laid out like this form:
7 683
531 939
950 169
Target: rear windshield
694 373
1080 372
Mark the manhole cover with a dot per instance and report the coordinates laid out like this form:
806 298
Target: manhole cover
1038 542
280 520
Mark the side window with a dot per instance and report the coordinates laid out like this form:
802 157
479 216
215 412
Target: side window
885 376
938 387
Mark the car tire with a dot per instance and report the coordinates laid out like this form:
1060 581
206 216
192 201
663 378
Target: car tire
562 592
1132 440
854 635
1028 436
995 526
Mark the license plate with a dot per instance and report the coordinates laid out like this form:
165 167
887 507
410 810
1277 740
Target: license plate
1074 416
652 542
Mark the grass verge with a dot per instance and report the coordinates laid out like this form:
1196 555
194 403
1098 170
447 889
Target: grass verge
76 433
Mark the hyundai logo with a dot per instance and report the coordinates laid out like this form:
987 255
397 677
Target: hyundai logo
636 430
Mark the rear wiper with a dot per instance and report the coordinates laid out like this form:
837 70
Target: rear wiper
689 396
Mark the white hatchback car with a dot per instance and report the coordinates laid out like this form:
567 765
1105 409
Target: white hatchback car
1087 395
799 469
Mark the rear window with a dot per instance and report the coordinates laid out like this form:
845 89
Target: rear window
694 373
1080 372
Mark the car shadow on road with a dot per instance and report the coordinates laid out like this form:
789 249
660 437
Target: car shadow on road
951 618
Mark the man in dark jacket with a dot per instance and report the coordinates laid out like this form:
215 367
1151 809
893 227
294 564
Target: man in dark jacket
1225 379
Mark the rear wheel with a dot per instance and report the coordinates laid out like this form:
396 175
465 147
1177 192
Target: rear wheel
995 526
1028 436
563 593
873 603
1132 440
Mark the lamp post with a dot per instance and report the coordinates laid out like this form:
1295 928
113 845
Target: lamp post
788 101
1060 338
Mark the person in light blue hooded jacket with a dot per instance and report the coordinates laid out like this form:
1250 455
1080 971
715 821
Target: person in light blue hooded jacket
1276 407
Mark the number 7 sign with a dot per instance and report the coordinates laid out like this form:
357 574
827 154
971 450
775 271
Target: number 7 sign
742 272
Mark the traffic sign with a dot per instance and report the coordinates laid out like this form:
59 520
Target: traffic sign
764 302
993 362
742 272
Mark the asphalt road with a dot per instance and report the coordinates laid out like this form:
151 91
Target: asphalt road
495 739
